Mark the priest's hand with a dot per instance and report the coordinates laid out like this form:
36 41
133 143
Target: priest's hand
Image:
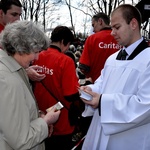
85 88
95 99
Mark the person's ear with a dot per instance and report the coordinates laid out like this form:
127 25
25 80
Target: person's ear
100 21
64 42
1 13
134 23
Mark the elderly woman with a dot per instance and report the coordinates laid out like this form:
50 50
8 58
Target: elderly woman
21 126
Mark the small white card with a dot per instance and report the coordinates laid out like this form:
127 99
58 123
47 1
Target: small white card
85 95
57 105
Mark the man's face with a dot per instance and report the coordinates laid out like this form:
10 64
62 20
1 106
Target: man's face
96 25
11 15
122 32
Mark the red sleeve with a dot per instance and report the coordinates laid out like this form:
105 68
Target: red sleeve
69 78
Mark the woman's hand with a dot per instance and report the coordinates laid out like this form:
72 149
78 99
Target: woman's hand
51 129
33 74
52 116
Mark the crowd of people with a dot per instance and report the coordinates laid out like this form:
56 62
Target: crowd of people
37 72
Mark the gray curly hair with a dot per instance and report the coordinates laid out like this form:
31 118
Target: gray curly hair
23 37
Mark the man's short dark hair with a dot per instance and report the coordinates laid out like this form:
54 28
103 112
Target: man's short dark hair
62 33
129 12
103 16
6 4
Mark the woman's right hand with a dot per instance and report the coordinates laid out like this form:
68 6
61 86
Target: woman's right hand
52 116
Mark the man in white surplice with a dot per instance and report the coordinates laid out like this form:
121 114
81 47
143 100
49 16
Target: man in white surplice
121 95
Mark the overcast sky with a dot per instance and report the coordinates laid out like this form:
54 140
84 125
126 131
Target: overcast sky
78 18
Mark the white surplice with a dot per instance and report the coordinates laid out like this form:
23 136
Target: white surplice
124 123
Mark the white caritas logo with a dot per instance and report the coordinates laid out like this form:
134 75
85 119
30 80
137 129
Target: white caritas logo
45 70
109 46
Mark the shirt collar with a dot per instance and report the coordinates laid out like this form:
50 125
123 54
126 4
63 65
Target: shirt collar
132 47
9 61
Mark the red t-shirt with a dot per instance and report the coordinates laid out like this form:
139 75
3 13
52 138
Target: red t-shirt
61 80
1 28
98 47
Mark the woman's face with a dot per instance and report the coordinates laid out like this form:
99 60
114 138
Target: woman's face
26 59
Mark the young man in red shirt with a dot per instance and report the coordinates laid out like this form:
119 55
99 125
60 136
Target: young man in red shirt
62 82
10 11
98 47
